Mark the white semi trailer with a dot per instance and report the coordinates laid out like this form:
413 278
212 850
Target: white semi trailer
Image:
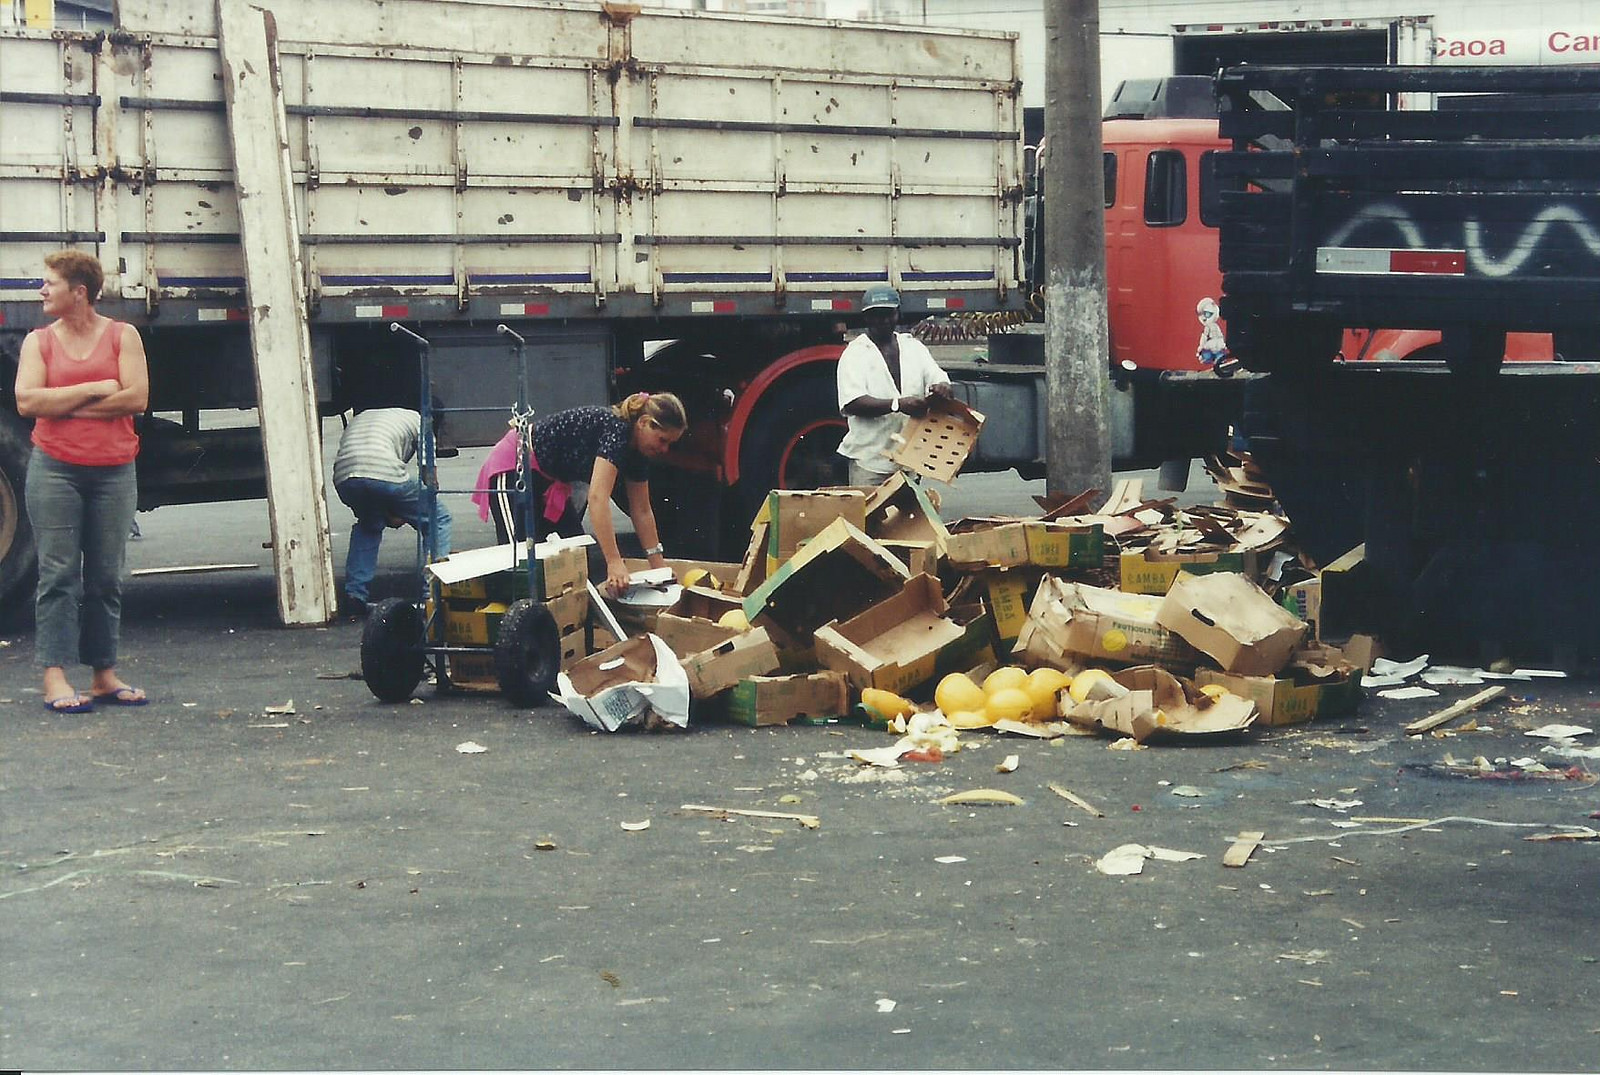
594 175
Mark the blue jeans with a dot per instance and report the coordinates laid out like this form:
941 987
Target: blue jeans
81 516
374 503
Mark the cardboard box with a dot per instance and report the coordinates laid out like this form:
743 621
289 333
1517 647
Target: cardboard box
688 635
900 510
476 671
999 542
498 574
706 604
1159 703
938 443
839 573
726 574
1070 623
467 623
760 701
1008 593
724 665
1149 572
1352 599
895 644
753 571
795 516
624 684
1230 619
1296 695
1304 601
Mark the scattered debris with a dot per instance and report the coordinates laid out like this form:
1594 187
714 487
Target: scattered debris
1242 848
980 797
1340 805
1449 713
635 826
1560 731
1128 859
885 1005
949 860
469 747
1577 832
1008 764
1074 799
1405 694
809 821
284 710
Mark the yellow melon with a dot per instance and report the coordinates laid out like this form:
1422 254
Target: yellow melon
1009 704
957 693
967 719
1084 682
1008 678
887 705
734 618
1043 686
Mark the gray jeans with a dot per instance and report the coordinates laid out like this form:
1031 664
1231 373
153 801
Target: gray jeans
80 518
860 475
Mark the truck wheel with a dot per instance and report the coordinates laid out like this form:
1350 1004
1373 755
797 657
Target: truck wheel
1473 351
18 565
527 655
792 441
391 649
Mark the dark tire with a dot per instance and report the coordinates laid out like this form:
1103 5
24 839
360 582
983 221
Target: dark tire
527 655
18 563
391 649
792 441
1475 351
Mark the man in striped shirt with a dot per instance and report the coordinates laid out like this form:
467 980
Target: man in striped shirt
374 477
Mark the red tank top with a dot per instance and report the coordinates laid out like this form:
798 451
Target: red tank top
89 442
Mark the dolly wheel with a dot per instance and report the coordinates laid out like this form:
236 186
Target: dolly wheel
391 649
527 654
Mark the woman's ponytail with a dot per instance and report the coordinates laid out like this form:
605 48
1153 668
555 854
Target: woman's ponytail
663 409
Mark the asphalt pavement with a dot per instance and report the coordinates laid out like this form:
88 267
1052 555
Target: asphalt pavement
267 869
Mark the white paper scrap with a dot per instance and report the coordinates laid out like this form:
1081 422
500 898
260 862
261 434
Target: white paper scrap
1330 804
469 747
1383 666
635 826
949 860
1405 693
1393 679
885 1004
1129 859
1446 675
1560 731
1541 673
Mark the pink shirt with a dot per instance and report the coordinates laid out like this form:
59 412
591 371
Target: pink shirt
88 442
501 458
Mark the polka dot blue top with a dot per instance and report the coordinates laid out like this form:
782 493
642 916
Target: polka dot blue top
567 443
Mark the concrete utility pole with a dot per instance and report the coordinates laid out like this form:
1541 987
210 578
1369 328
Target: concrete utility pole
1076 348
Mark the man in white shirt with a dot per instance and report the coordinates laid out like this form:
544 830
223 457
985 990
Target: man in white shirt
883 376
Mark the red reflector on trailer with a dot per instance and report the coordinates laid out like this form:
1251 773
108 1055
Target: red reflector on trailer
396 311
1446 262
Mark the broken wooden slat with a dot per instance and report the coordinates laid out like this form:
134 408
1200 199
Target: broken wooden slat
810 821
1074 800
1444 716
1243 846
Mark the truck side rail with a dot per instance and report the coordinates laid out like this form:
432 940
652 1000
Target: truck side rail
1466 212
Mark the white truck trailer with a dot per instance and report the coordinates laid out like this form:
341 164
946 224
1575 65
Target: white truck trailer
596 176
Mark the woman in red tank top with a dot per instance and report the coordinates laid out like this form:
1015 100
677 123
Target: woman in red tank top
81 378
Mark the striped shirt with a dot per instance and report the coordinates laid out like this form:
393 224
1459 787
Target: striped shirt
379 444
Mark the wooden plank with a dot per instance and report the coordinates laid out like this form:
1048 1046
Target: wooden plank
1444 716
280 336
191 569
1243 846
1074 799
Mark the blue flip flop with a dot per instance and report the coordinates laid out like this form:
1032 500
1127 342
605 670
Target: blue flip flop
121 696
81 703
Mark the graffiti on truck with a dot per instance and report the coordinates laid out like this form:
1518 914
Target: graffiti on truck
1478 258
